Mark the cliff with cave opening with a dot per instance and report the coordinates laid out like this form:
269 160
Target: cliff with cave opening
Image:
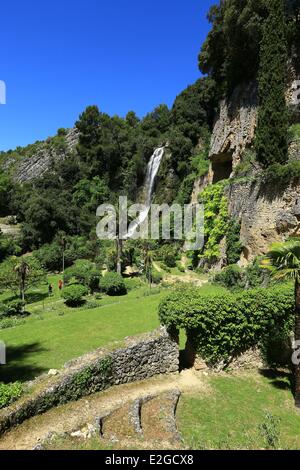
268 212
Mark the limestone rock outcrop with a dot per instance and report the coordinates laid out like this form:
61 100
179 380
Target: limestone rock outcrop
267 214
30 168
235 126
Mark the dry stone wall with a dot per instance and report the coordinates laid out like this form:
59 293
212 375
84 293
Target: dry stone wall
141 358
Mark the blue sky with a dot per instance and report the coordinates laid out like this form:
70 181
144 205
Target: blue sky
59 56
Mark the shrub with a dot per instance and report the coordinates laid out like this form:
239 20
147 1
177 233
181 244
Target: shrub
215 219
74 294
165 267
255 275
85 272
223 326
10 322
180 268
9 393
113 284
132 283
234 277
282 174
10 309
230 277
156 277
233 244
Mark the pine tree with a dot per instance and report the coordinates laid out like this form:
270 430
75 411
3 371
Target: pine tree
271 134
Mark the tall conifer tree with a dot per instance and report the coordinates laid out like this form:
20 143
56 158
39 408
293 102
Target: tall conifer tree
271 134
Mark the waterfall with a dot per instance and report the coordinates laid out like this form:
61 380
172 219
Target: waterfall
152 170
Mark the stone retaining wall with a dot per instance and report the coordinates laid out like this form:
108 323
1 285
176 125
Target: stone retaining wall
141 358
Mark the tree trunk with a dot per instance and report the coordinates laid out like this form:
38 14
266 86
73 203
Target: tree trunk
297 338
22 293
119 256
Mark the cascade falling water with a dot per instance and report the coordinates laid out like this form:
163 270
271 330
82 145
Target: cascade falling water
152 170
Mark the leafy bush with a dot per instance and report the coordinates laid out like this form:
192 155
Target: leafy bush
15 307
10 322
223 326
233 244
215 219
50 255
113 284
9 393
255 275
180 268
230 277
74 294
85 272
156 276
132 283
165 267
282 174
234 277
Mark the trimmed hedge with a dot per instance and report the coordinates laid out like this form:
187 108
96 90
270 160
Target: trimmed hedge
221 327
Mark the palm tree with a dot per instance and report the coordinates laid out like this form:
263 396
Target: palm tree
23 270
284 261
148 262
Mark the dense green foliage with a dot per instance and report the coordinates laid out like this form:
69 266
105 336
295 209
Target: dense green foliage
230 54
282 175
9 393
74 294
231 51
110 160
233 244
234 277
113 284
272 126
76 247
11 309
84 272
8 247
11 276
223 326
215 219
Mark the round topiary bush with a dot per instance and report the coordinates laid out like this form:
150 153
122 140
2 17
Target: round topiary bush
113 284
74 294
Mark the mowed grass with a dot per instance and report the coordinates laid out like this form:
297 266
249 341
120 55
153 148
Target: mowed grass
54 334
230 414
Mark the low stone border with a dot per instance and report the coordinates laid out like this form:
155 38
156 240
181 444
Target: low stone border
142 357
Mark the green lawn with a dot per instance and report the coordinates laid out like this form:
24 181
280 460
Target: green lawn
53 334
230 413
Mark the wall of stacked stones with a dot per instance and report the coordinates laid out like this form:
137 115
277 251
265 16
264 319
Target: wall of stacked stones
141 358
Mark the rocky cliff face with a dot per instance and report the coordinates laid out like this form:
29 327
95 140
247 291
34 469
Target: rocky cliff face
30 168
267 213
234 127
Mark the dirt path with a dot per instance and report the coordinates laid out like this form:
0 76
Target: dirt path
72 416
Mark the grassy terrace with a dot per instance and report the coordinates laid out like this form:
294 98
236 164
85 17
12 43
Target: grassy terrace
238 410
54 333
